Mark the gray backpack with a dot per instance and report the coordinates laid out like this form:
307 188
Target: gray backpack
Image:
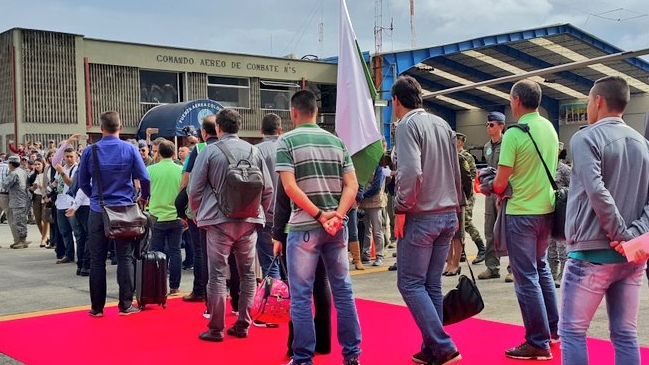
240 195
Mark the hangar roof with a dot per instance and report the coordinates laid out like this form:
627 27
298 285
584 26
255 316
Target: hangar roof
452 65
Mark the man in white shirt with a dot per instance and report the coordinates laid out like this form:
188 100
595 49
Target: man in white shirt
67 225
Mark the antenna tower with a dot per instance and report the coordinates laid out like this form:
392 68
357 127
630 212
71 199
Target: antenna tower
412 24
378 26
321 37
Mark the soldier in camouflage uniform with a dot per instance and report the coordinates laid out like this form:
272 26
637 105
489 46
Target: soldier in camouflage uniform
468 216
16 185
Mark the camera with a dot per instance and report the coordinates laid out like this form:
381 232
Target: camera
189 130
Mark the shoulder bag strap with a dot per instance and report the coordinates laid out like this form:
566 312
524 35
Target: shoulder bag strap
96 176
526 128
469 265
226 151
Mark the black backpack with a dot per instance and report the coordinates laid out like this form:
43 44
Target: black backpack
240 195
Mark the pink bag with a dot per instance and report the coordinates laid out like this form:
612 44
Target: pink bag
272 302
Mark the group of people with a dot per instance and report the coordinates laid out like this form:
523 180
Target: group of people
310 188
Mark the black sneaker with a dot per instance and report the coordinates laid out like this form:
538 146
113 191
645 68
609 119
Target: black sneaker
448 359
421 358
237 331
128 311
96 314
525 351
210 336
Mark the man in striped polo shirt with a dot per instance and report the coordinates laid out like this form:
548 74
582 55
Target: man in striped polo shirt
318 176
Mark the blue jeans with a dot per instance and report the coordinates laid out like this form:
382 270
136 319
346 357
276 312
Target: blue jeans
422 254
303 250
584 285
169 233
222 240
68 226
265 251
527 243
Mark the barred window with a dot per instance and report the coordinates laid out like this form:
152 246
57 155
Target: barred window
277 95
158 87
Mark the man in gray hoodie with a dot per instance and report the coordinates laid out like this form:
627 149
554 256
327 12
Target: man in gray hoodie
608 201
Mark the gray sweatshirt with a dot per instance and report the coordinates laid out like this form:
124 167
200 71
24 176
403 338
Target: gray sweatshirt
428 173
608 198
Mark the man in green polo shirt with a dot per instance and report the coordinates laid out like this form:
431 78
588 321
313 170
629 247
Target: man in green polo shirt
529 218
165 183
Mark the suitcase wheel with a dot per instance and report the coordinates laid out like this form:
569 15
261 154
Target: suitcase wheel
164 305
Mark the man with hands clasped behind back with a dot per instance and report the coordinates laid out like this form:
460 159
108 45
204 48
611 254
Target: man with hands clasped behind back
321 182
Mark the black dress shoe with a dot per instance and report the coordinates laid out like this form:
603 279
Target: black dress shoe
191 297
210 336
237 331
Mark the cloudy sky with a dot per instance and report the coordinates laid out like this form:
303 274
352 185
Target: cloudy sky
281 27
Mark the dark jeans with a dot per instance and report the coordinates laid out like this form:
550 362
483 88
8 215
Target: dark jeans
55 235
83 252
265 252
186 241
198 241
98 244
168 235
69 228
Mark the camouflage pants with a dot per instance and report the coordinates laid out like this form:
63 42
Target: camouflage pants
468 220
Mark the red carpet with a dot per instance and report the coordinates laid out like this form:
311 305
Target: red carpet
169 336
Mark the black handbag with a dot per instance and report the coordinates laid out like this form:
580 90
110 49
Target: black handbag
462 302
560 194
120 221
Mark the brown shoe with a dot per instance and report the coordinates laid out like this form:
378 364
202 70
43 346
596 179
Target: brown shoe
488 274
191 297
174 291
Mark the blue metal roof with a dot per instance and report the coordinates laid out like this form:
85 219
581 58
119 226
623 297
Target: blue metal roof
517 49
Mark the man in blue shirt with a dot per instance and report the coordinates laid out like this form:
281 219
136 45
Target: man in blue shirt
120 163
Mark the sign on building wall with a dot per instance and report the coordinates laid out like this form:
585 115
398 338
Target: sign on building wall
575 113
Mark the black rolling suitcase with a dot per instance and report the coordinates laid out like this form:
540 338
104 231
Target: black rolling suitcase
151 279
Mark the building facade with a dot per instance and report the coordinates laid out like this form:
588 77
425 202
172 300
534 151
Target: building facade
56 84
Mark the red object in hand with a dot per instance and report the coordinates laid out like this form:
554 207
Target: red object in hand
476 183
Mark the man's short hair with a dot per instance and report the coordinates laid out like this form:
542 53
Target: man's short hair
528 92
614 90
69 150
461 137
110 121
166 149
270 124
158 140
229 120
408 91
209 124
304 102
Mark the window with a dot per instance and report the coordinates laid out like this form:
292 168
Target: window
232 92
158 87
277 95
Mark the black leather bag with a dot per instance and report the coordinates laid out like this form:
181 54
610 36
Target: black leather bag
462 302
123 221
559 217
120 221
